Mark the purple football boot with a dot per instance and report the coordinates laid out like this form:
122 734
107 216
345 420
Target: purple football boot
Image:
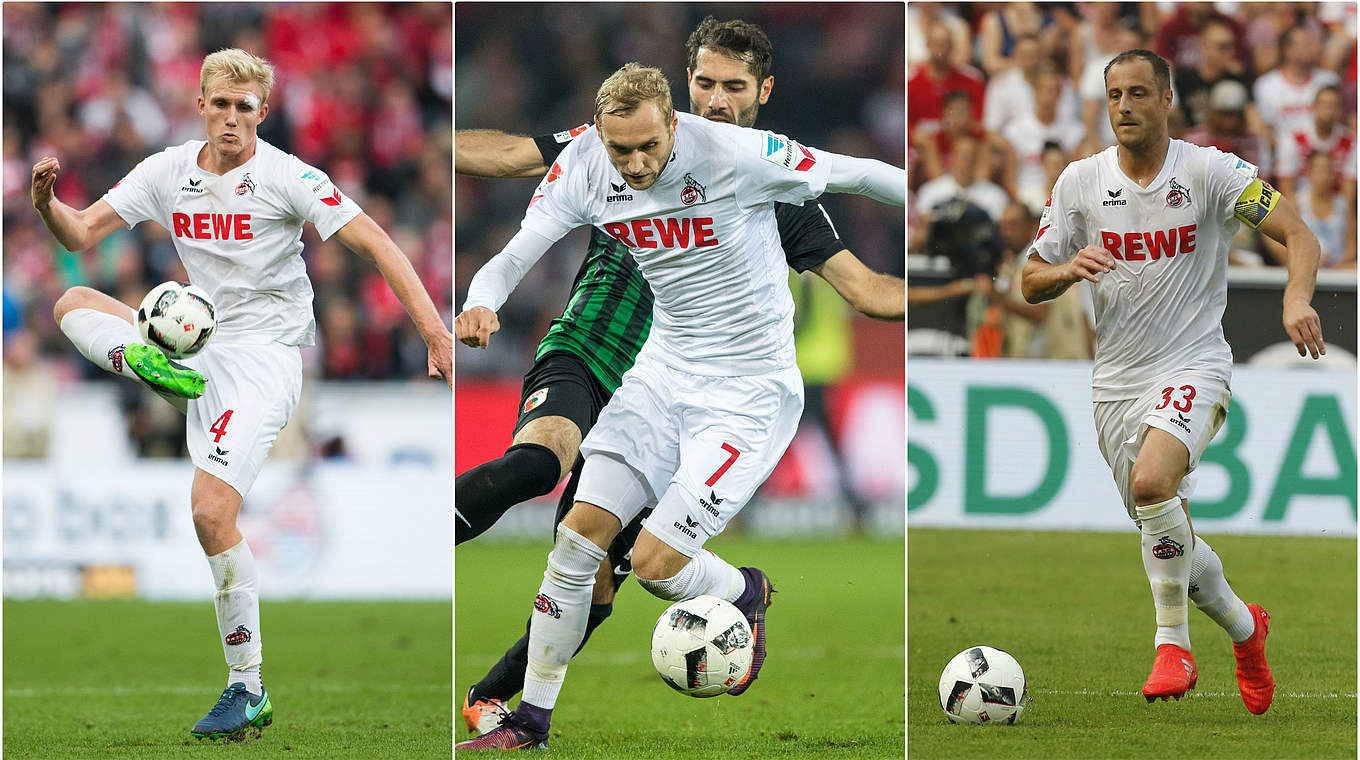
752 603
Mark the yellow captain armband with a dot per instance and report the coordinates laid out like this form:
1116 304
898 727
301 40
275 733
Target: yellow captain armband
1256 202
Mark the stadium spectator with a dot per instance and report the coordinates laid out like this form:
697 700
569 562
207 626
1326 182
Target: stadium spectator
921 17
30 390
1030 133
935 145
1000 32
962 181
1324 134
937 77
1010 93
1225 126
1329 213
1218 61
1180 40
1102 37
1285 95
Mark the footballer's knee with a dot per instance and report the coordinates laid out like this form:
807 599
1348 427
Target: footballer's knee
81 297
654 560
215 506
597 525
559 435
1150 487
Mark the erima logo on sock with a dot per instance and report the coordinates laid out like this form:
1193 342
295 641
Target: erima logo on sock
237 637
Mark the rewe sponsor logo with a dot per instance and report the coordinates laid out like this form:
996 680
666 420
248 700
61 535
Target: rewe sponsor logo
212 226
1143 246
668 232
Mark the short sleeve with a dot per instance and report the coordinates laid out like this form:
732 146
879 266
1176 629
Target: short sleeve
316 199
551 146
806 234
555 208
1226 176
1055 241
772 167
135 198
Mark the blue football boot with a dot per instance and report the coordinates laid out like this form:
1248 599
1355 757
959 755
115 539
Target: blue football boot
235 711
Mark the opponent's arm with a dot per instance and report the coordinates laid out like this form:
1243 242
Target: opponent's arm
869 177
492 285
1042 281
363 236
75 230
873 294
1283 225
490 153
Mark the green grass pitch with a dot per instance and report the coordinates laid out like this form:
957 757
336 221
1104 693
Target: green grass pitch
831 688
1076 611
127 679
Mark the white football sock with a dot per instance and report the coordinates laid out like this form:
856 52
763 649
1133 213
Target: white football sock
706 573
238 612
1168 545
560 611
249 676
101 337
1210 592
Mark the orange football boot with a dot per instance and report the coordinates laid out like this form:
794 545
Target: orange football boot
1173 673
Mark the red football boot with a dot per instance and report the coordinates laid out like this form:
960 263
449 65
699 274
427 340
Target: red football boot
1173 673
1254 679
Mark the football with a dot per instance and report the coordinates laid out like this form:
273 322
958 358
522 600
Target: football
983 685
702 646
178 319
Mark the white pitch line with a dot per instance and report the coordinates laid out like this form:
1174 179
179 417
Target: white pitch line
1191 693
119 691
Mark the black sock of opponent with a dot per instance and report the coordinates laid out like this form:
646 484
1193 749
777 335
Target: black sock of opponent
487 491
506 677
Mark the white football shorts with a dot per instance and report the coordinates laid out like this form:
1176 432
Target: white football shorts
251 393
1188 405
699 446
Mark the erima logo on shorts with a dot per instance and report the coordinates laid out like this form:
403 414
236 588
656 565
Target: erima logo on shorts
534 400
1181 421
688 531
711 503
220 456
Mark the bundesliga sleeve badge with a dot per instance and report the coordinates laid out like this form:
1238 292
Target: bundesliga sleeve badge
782 151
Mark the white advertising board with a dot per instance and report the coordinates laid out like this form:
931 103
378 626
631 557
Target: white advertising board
1012 444
328 531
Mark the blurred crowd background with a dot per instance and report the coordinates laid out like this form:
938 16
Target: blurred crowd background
362 91
533 69
1002 96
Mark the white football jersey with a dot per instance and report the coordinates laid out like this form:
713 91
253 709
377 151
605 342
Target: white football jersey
704 236
240 234
1161 309
1286 106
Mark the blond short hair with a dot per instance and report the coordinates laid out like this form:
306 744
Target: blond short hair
630 87
236 65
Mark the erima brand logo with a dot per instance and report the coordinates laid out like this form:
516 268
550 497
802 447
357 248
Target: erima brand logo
1115 200
1181 421
192 187
547 606
693 191
618 193
1178 195
664 233
247 185
238 637
212 226
1167 548
1143 246
710 504
220 457
688 527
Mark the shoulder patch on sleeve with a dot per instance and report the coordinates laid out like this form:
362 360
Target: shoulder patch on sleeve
781 151
1256 202
570 134
319 185
1246 169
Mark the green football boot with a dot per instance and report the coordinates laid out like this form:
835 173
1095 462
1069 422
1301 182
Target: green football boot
161 374
236 710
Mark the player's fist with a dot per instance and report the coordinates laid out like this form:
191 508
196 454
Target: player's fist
1089 263
1304 328
475 326
44 177
439 355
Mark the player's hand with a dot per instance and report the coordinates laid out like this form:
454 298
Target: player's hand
1089 263
440 355
44 177
1304 328
475 326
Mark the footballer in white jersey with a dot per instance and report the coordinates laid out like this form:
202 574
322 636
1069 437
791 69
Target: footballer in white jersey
234 207
1148 223
714 396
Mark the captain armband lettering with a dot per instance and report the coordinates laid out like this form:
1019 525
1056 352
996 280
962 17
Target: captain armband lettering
1256 202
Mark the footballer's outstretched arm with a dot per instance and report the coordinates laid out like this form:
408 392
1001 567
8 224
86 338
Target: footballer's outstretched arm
493 283
874 294
363 236
869 177
1283 225
75 230
490 153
